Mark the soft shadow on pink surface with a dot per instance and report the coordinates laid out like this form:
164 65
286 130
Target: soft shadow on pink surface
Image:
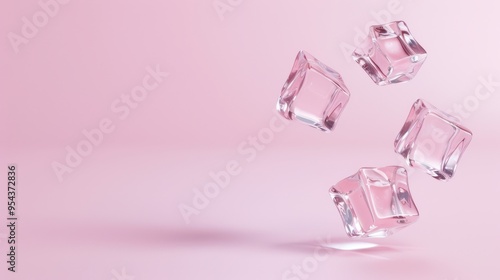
153 236
345 247
368 260
214 249
376 259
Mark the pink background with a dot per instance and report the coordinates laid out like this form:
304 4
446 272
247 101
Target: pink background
117 211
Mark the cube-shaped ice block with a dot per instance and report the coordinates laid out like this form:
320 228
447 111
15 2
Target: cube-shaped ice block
390 54
432 140
375 202
314 94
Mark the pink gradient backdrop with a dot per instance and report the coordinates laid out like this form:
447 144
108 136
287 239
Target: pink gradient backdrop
119 207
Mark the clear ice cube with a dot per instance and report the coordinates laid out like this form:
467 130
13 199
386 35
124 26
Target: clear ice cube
375 202
432 140
314 94
390 54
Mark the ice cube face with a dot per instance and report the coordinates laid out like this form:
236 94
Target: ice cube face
375 202
314 94
432 140
390 54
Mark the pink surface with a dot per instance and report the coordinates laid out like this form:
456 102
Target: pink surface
87 94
